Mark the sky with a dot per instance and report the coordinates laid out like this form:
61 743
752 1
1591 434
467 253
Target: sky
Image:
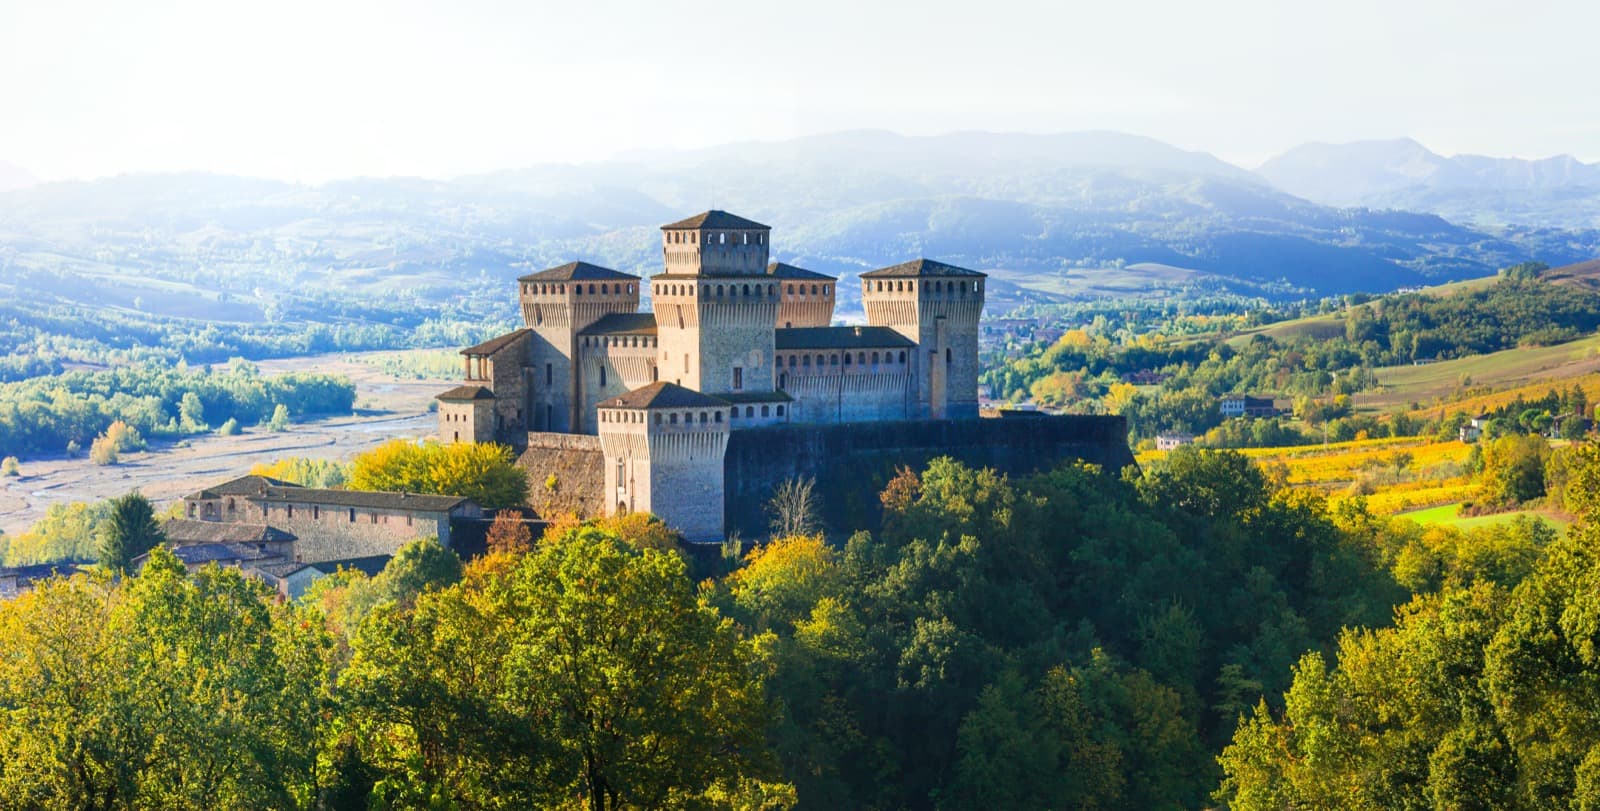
311 90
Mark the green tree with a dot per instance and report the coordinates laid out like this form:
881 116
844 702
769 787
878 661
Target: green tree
191 414
280 418
10 467
129 531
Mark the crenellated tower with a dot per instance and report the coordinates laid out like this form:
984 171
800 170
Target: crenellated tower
805 297
715 306
663 446
557 304
937 306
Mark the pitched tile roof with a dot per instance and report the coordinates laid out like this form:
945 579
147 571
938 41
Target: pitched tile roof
622 324
576 272
494 345
465 393
715 219
359 499
370 565
756 397
838 338
662 394
920 267
202 553
189 531
780 270
242 486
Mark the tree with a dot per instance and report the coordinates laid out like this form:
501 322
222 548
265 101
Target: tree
280 419
588 672
509 534
793 507
129 531
229 428
191 414
103 451
484 472
10 467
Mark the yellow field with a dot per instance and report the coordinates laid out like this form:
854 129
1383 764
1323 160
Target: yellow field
1415 460
1590 383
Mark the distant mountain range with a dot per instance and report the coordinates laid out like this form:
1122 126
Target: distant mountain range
14 177
1561 191
1031 209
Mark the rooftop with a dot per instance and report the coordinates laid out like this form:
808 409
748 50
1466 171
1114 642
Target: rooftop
779 270
838 338
360 499
623 324
188 531
576 272
494 345
662 394
715 219
242 486
919 267
756 397
369 566
465 393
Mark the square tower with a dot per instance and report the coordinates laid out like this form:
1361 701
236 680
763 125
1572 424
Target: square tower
558 304
716 307
663 446
937 306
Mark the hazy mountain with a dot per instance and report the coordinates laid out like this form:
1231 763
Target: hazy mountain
1031 208
1559 191
13 176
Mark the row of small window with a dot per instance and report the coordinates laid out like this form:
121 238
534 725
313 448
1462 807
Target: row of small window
705 417
716 238
603 289
620 340
455 417
938 287
859 358
316 514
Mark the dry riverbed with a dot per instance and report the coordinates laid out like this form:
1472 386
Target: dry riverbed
386 408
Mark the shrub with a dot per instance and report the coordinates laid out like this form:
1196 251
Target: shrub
229 428
10 467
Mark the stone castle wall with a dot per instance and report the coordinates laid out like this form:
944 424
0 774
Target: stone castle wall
578 465
853 462
844 396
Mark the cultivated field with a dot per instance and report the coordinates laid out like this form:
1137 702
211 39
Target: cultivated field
387 407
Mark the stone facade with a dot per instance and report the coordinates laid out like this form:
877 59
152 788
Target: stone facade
734 344
330 524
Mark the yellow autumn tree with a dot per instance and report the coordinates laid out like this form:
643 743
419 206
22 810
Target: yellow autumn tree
484 472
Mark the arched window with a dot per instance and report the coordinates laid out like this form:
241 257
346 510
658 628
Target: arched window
791 289
602 375
783 380
719 291
673 418
833 360
874 359
603 290
749 411
824 290
702 418
947 355
746 290
805 361
577 290
765 411
791 361
902 356
780 411
847 358
717 416
658 419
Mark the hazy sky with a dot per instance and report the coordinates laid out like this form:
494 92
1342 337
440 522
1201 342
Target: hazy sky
312 89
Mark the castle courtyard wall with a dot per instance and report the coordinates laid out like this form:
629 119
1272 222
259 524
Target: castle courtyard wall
566 474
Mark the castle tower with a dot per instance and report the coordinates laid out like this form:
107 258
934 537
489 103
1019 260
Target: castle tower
715 305
466 414
557 304
805 297
937 306
663 446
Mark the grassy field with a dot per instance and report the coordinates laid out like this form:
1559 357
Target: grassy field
1536 368
1449 515
1317 327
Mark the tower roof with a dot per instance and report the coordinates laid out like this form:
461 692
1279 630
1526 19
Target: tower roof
715 219
576 272
622 324
779 270
920 267
662 394
494 345
463 394
788 338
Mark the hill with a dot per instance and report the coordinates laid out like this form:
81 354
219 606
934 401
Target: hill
1559 191
1029 207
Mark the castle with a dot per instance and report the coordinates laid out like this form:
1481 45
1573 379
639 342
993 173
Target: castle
734 343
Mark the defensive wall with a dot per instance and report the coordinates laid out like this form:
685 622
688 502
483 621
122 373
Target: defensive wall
853 462
566 474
